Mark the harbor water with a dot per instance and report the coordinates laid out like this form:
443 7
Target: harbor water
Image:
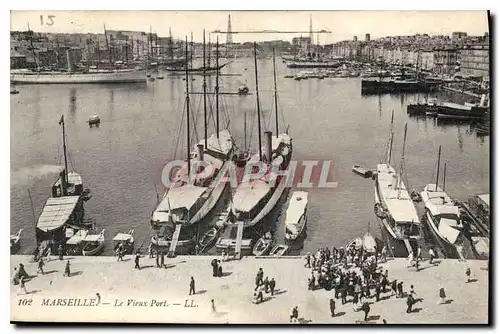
121 160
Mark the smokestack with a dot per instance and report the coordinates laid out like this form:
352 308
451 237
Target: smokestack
200 152
68 60
268 137
63 182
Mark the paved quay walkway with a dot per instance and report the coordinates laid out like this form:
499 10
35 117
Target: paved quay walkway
154 295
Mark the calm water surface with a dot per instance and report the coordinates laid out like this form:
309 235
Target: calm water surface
121 161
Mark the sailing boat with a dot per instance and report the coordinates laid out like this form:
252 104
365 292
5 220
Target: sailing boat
394 206
64 210
254 199
443 217
177 217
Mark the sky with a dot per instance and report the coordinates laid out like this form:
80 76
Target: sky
342 24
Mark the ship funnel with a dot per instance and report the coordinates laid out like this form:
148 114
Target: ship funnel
63 182
394 181
68 60
268 148
483 100
200 151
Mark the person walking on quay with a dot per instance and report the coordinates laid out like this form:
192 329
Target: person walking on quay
260 276
191 286
410 260
162 259
419 253
400 289
355 301
151 251
383 254
308 261
467 274
394 287
344 294
272 285
157 258
332 307
212 302
412 291
432 255
294 317
137 257
60 252
409 303
416 263
22 286
377 291
67 269
266 284
49 254
366 309
442 296
40 266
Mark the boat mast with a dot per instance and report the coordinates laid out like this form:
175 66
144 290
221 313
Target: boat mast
257 95
192 50
245 128
401 167
209 48
439 162
33 47
187 117
444 178
205 92
126 49
61 122
391 140
98 53
217 87
275 93
107 46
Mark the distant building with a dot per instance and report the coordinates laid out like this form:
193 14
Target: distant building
446 61
475 61
456 36
302 43
367 37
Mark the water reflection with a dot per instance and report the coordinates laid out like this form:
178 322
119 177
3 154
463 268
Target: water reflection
72 103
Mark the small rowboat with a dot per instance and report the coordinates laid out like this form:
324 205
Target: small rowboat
262 246
208 239
369 243
357 243
296 216
93 244
415 196
14 91
15 240
94 120
279 250
159 77
126 240
362 171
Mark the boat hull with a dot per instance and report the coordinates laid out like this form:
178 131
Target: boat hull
449 249
78 78
94 251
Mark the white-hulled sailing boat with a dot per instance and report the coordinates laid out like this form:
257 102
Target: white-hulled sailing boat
254 199
176 217
443 217
394 206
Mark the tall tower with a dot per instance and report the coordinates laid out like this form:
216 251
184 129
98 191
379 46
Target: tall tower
311 29
229 37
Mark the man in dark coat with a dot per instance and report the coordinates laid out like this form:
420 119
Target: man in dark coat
272 285
162 260
214 267
377 291
344 293
60 252
400 289
366 309
137 257
308 261
191 286
157 258
394 287
260 276
266 285
332 307
409 303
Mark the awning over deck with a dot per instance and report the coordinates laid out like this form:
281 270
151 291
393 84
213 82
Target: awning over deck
56 212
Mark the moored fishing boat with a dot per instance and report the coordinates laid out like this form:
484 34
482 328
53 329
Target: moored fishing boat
366 173
208 239
394 207
93 244
296 216
254 199
74 245
194 191
356 243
